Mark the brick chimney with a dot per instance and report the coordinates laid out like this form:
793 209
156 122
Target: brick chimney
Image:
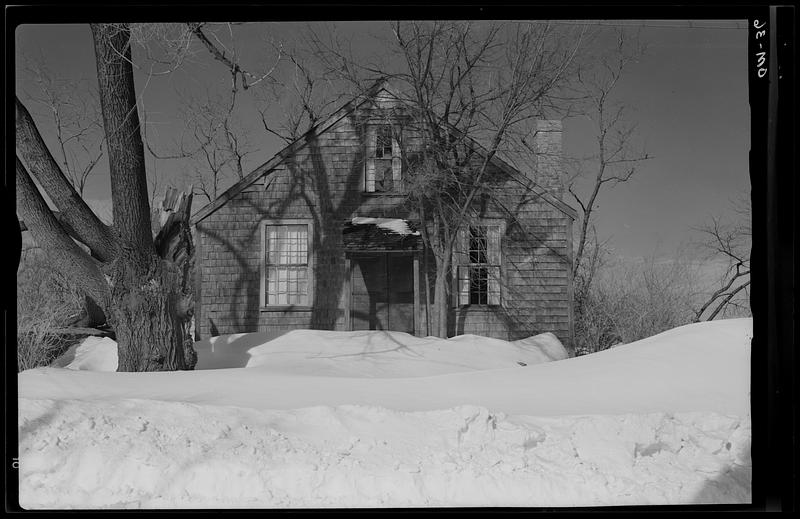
549 171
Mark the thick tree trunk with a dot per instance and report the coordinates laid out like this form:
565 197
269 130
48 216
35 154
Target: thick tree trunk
62 252
146 316
149 283
151 313
131 207
75 216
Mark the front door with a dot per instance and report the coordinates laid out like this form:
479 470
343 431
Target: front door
383 292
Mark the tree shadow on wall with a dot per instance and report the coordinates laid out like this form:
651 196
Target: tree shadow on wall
243 297
518 312
328 198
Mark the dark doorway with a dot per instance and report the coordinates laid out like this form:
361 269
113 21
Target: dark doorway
383 292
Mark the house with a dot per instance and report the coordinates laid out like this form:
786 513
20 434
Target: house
319 237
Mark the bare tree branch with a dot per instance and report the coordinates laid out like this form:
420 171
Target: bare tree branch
229 61
43 166
731 243
613 140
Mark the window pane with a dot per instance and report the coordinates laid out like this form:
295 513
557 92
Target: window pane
477 245
478 285
383 142
383 175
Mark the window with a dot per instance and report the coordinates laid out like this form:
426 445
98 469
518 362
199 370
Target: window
383 145
383 171
286 266
478 266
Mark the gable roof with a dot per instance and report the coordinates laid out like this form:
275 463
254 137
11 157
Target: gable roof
334 118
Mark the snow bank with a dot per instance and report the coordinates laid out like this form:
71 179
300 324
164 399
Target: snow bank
381 354
701 367
664 420
92 354
357 354
144 454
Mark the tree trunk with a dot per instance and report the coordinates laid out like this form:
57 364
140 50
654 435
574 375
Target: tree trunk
152 333
440 302
131 207
149 285
62 252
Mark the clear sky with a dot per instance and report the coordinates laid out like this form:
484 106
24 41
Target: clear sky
688 94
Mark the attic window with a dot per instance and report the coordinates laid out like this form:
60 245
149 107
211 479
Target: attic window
383 171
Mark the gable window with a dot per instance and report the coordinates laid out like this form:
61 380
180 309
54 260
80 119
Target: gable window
383 171
285 275
478 266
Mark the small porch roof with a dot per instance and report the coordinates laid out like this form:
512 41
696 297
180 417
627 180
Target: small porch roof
380 234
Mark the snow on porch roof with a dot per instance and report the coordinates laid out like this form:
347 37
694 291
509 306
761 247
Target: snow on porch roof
395 225
363 233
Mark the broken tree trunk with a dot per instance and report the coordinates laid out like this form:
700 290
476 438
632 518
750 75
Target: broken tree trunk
175 247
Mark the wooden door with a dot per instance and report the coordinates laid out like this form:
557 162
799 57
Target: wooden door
382 292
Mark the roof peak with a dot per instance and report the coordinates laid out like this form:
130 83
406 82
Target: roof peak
383 83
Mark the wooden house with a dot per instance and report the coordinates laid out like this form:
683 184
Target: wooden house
320 237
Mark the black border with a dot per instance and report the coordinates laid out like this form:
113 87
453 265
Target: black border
772 172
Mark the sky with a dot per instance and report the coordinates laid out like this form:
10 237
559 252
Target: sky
687 95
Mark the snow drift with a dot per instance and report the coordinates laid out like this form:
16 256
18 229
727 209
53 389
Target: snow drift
701 367
359 354
663 420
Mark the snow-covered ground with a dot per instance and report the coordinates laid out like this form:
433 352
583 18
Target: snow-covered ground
354 419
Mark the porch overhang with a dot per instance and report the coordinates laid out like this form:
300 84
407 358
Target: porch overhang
380 235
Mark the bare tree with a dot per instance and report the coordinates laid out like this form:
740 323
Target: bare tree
615 161
73 119
302 93
729 242
459 89
630 300
141 283
72 115
240 76
212 143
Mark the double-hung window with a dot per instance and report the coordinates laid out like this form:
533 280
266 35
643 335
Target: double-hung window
383 171
286 272
478 266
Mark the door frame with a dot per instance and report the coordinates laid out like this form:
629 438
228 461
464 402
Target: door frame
348 284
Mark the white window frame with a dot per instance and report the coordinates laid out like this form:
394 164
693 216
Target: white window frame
369 163
495 230
310 281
